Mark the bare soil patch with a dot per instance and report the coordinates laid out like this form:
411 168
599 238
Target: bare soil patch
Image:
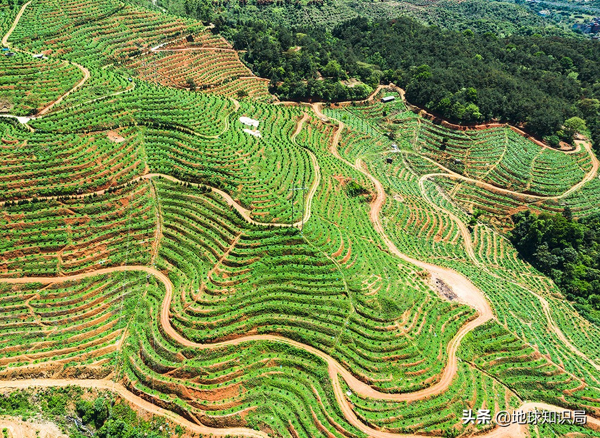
114 136
34 429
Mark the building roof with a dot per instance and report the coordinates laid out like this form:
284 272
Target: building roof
248 121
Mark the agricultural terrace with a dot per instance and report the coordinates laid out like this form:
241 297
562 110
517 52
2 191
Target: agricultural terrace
494 172
66 327
70 235
135 42
426 222
210 69
319 275
29 84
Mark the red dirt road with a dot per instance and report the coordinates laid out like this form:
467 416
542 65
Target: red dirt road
14 25
85 71
335 369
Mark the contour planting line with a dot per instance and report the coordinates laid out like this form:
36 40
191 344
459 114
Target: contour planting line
246 214
420 111
85 71
356 385
335 369
533 198
473 296
315 185
14 25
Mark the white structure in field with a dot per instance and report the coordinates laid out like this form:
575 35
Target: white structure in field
248 121
254 133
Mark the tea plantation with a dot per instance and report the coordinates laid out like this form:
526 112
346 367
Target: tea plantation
336 271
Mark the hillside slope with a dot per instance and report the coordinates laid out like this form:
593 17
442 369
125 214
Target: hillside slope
302 278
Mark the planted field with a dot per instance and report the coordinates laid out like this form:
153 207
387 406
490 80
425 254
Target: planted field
315 275
42 164
157 47
48 326
101 85
94 33
267 385
68 236
439 415
422 220
145 105
226 268
27 84
209 69
495 170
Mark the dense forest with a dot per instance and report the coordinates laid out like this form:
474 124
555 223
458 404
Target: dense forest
500 17
468 62
302 66
567 251
531 80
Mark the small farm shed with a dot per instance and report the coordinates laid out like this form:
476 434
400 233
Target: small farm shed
248 121
388 99
389 160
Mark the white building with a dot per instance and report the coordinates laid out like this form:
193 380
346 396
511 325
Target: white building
248 121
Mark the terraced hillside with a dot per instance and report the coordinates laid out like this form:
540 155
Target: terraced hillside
308 277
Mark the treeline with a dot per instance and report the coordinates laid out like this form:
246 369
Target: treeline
526 79
530 80
567 251
301 65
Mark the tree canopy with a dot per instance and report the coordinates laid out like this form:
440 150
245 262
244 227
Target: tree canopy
567 251
466 77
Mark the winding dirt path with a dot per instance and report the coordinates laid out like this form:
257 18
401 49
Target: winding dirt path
244 212
466 291
85 71
334 368
471 251
356 385
533 198
14 25
86 76
591 174
463 287
317 169
471 295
